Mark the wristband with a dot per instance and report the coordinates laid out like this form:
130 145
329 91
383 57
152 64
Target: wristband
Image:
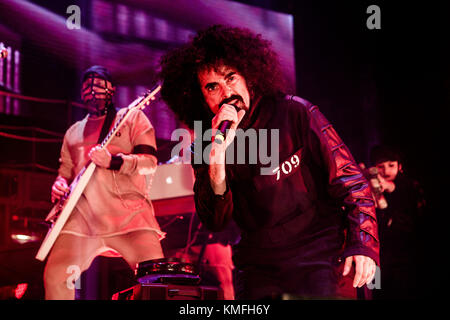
116 162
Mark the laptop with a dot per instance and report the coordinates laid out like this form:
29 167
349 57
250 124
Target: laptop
172 181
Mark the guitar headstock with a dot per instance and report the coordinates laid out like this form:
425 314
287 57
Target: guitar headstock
144 100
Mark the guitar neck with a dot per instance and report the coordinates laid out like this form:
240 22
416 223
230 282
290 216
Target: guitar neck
115 128
138 104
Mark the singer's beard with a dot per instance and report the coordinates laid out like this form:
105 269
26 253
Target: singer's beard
236 101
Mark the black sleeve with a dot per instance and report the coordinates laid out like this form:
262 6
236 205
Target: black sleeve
346 184
215 211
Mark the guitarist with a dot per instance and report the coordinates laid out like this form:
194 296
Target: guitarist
114 216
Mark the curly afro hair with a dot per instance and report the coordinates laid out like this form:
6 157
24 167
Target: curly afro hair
218 45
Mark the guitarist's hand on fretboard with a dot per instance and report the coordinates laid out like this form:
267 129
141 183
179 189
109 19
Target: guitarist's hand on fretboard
101 157
59 188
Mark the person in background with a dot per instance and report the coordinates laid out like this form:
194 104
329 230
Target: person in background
399 226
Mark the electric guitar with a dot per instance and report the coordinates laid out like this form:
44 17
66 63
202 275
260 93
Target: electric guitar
62 210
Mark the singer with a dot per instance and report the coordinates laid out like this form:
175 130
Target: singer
309 229
114 215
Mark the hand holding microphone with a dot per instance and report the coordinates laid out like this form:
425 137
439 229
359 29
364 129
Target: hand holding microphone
228 117
225 124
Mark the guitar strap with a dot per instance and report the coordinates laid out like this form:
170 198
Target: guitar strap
110 116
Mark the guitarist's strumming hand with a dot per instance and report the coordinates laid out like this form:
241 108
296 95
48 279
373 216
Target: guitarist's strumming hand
59 188
101 157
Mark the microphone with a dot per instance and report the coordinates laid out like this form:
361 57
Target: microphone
222 129
220 134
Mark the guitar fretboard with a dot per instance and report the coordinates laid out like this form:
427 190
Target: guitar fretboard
114 128
143 101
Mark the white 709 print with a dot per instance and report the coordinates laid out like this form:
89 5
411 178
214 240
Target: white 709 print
287 166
